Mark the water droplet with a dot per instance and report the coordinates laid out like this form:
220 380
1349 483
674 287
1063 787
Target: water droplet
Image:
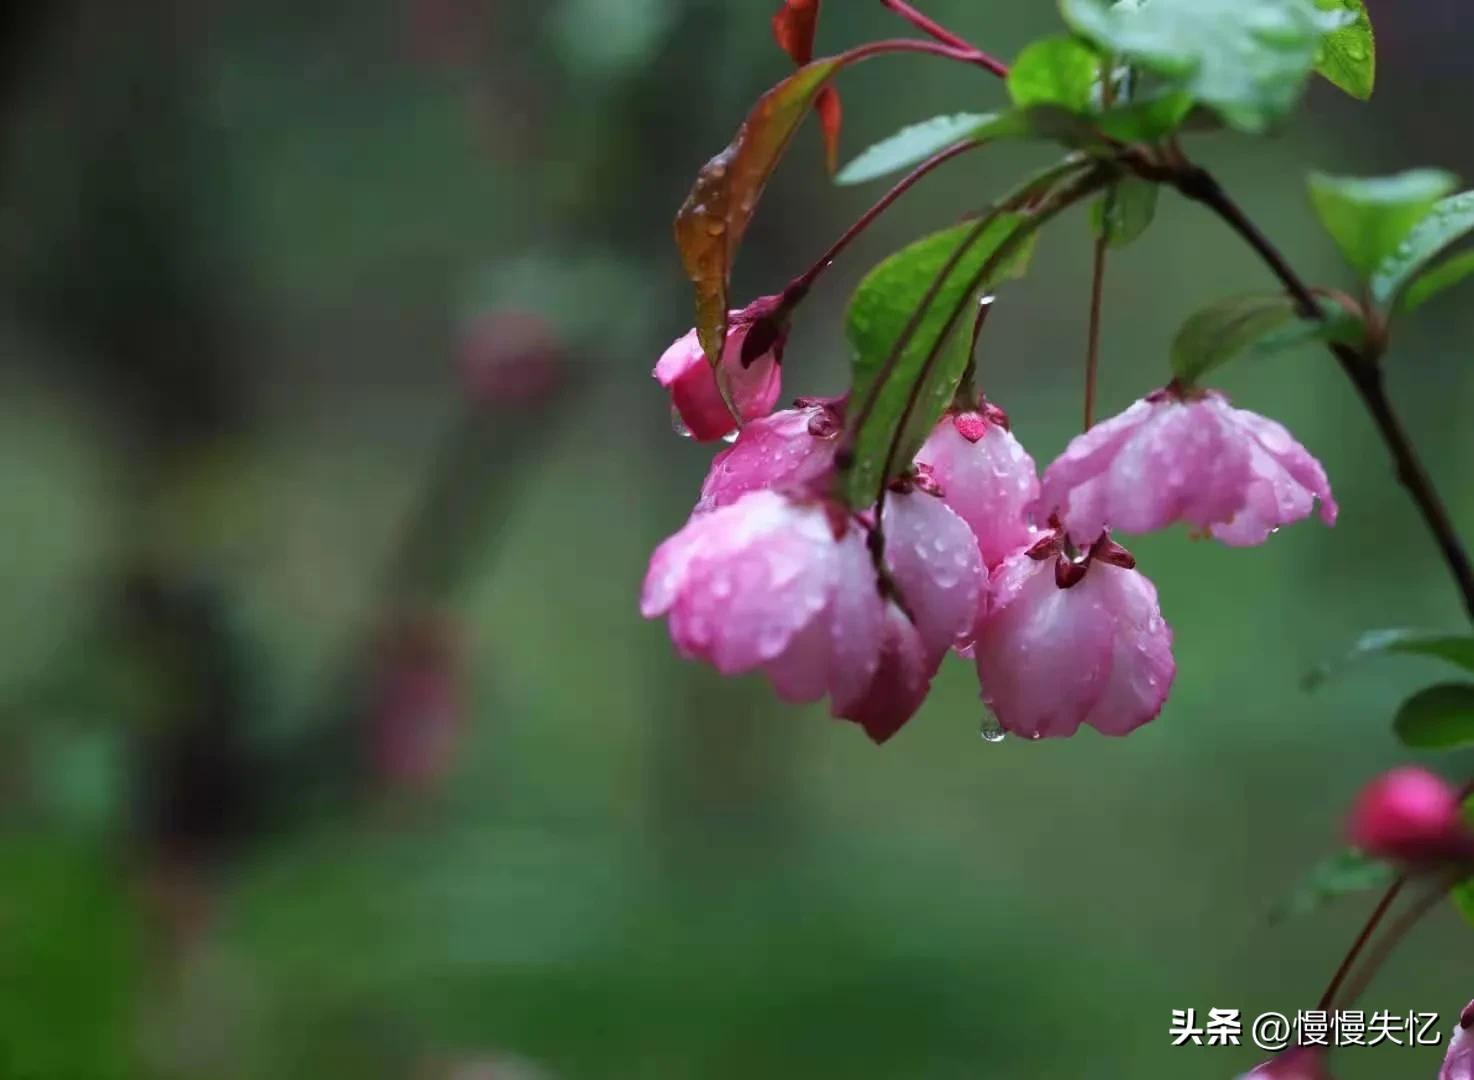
991 730
730 437
715 228
677 424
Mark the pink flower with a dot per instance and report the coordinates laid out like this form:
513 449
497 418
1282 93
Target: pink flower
753 378
787 586
1410 816
1297 1063
986 477
792 451
1066 642
1459 1064
1185 456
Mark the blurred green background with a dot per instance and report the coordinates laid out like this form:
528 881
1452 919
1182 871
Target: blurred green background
331 742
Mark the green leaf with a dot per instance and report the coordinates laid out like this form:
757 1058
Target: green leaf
1455 648
714 217
1444 276
1124 212
878 314
1059 71
1437 718
1343 874
1247 59
1348 56
1252 325
1147 120
912 145
1449 221
1369 217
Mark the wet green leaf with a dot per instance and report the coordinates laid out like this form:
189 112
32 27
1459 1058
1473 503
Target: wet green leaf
1343 874
1348 56
1123 213
880 312
1246 59
1449 221
914 144
1060 71
1369 217
1442 277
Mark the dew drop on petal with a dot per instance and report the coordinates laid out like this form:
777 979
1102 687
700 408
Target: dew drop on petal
677 424
991 731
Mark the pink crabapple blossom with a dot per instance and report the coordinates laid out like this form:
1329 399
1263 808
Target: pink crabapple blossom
1410 816
786 585
1067 640
1183 454
791 450
987 478
1459 1062
750 368
1297 1063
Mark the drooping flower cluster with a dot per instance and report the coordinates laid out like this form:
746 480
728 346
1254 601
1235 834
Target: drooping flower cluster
968 551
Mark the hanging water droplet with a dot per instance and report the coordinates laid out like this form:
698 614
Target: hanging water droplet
991 730
677 424
731 436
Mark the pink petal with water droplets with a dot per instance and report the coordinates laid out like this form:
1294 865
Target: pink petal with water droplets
692 384
934 560
1459 1062
1285 482
990 482
777 452
1050 659
900 682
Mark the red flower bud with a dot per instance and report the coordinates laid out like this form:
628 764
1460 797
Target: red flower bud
1410 816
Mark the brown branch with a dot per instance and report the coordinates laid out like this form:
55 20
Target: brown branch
1361 365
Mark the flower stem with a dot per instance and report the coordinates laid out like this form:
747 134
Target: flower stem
965 54
1328 996
1398 930
1361 366
799 286
933 29
1092 348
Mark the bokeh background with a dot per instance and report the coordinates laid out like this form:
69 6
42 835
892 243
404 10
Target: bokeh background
331 742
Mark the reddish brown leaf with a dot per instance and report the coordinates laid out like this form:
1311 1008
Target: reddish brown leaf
794 26
714 217
830 114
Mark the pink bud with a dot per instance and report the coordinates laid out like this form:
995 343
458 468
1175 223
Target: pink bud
1188 457
1055 650
900 684
753 381
790 451
1297 1063
510 357
1459 1063
1410 815
986 477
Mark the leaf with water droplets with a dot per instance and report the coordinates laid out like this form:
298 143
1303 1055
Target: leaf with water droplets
1253 325
1455 648
1343 874
1442 277
1370 217
878 316
1348 55
1449 221
711 223
1248 60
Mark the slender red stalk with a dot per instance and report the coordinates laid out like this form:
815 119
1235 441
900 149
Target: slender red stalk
933 29
1328 996
1092 348
966 55
801 284
1398 930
